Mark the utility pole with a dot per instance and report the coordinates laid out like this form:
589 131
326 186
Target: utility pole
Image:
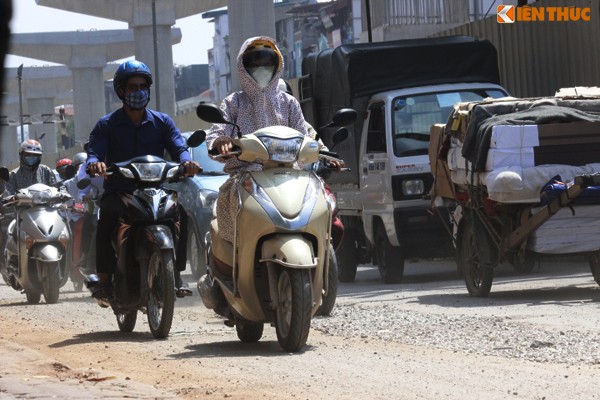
155 40
19 78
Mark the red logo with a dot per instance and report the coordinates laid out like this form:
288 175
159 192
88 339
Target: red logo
506 15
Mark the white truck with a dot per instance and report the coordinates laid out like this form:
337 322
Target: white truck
399 89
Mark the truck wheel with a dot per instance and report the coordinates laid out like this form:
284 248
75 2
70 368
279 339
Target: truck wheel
347 256
595 266
390 260
478 278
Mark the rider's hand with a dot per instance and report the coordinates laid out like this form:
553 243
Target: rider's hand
225 148
334 164
190 168
97 168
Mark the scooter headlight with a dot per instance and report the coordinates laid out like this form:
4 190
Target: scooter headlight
284 150
126 173
149 172
41 197
172 172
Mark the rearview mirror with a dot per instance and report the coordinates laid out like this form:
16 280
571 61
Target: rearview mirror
196 138
70 171
344 117
83 183
4 174
210 113
339 136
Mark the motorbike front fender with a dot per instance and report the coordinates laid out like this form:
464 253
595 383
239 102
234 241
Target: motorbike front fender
160 235
292 251
47 252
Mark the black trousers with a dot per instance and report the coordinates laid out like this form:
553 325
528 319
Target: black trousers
110 210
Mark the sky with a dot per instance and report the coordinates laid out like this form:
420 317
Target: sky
29 17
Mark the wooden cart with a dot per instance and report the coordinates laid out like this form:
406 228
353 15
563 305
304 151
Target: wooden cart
488 232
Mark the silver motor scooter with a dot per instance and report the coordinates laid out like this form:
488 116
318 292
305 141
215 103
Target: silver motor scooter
37 245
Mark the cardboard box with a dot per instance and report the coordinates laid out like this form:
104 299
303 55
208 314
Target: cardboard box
514 136
496 158
442 184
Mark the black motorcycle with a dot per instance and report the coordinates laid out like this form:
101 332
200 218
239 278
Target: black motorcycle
145 243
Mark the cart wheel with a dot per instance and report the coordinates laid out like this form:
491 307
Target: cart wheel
478 277
595 266
524 263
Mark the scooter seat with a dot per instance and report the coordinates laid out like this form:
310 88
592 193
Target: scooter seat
222 250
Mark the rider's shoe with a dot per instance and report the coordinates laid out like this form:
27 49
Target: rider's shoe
181 288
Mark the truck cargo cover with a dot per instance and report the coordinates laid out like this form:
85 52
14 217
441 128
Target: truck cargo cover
362 69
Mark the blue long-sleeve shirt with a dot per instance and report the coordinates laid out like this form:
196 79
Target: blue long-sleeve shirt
116 138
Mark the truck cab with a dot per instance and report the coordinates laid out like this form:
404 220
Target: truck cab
395 175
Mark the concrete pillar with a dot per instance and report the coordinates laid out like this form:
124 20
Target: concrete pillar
86 54
9 141
141 18
163 89
38 107
247 19
88 106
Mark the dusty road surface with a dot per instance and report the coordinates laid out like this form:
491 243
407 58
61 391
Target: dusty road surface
536 337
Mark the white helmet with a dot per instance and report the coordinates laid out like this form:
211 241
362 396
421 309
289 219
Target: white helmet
79 158
30 146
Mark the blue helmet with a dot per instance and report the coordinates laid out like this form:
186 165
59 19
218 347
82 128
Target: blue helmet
128 69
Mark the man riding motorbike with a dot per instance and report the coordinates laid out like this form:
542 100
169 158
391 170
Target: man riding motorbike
131 131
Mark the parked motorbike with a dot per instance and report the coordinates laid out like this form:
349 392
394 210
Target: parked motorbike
145 243
276 269
37 244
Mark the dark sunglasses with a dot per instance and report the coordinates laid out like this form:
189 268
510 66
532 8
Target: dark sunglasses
132 87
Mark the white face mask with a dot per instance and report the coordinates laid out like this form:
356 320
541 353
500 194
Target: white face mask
262 75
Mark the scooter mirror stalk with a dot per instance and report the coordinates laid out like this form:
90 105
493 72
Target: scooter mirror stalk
211 113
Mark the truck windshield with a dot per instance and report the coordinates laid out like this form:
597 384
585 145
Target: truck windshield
412 117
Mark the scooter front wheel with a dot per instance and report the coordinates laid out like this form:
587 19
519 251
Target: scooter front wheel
294 308
161 297
51 280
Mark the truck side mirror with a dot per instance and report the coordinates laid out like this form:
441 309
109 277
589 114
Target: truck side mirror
4 175
196 139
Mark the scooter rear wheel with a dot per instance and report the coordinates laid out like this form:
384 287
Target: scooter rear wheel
248 332
294 309
161 297
126 321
